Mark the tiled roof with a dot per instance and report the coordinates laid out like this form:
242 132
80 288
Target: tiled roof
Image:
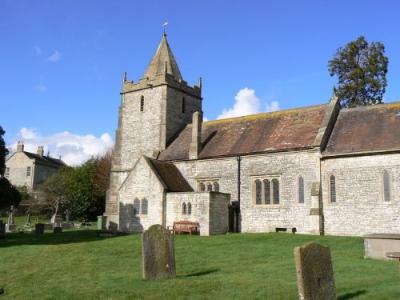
366 129
266 132
46 159
171 176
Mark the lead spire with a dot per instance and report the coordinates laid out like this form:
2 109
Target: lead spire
163 60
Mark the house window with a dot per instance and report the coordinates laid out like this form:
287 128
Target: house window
145 205
189 208
136 206
266 191
386 186
258 192
275 191
202 187
7 173
183 105
301 190
209 187
216 187
332 188
28 171
142 103
184 208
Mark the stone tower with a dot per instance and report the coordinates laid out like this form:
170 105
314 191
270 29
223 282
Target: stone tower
152 112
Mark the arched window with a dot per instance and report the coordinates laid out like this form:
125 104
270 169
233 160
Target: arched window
202 187
209 187
142 103
216 186
332 188
189 208
267 191
301 190
145 205
386 186
183 105
275 191
136 206
184 208
257 184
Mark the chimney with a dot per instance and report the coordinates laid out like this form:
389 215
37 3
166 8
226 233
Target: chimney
195 146
40 151
20 146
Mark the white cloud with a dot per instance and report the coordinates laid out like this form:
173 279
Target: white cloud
40 87
273 106
55 57
74 149
38 50
247 103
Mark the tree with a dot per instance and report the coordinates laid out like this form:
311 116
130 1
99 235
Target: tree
9 195
361 68
3 152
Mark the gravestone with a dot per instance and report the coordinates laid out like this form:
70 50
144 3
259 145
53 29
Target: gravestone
315 279
2 229
57 229
158 253
11 226
39 228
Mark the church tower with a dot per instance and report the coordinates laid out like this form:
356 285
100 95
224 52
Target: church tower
152 112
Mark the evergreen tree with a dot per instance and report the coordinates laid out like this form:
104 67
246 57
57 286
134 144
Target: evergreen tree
361 68
3 152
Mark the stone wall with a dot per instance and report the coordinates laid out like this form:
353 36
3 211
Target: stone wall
141 184
288 166
18 164
360 208
209 209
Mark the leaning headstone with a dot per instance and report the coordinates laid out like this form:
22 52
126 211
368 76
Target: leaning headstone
39 228
57 229
158 253
315 279
2 229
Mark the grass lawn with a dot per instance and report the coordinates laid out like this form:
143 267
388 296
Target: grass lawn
79 265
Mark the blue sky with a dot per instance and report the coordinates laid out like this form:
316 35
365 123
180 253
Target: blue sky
62 61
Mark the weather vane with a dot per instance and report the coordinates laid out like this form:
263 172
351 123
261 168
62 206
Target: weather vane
164 26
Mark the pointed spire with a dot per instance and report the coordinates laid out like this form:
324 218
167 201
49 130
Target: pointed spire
162 61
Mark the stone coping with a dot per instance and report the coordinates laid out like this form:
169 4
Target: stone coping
387 236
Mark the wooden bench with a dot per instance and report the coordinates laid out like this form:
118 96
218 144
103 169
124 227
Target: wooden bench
186 227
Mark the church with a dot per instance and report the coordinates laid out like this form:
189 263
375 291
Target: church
315 170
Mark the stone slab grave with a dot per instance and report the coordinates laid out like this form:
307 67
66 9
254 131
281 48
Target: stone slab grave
2 229
39 228
315 279
57 229
158 253
377 245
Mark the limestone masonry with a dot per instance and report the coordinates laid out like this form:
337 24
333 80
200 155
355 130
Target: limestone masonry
318 170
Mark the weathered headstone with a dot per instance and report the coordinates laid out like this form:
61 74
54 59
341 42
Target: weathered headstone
39 228
315 279
57 229
158 253
2 229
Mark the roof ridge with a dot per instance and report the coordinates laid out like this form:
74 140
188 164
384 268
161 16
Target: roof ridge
394 104
265 114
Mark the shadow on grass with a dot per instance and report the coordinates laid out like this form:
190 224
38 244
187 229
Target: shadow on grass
201 273
49 238
352 295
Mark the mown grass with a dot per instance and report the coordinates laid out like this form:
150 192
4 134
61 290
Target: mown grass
80 265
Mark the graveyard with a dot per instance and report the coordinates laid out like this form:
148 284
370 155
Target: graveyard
78 264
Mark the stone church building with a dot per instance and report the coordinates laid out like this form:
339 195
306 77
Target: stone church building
318 170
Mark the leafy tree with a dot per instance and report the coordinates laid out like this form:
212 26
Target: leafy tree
361 69
3 152
9 195
54 191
